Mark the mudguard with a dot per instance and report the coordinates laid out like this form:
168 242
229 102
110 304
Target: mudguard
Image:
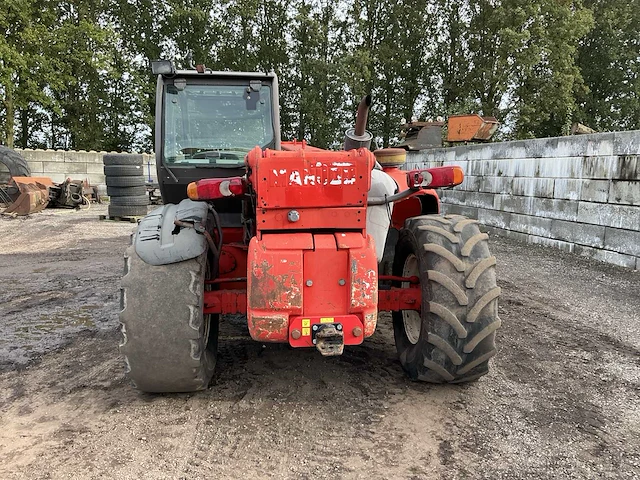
158 241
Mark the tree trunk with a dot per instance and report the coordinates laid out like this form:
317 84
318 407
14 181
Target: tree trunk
24 127
54 137
10 113
386 134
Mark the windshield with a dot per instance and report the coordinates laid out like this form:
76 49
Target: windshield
215 125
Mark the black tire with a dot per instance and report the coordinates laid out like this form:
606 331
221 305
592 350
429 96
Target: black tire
123 170
125 181
15 163
454 338
122 159
168 344
127 211
138 200
126 191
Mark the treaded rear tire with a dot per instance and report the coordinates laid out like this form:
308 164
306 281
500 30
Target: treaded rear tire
15 163
459 300
122 159
165 342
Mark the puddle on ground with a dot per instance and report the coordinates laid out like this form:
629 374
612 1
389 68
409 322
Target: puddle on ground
21 339
50 323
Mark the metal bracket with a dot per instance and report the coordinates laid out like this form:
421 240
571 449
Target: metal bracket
255 85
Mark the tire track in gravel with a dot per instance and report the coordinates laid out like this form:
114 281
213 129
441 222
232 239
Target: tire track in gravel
561 399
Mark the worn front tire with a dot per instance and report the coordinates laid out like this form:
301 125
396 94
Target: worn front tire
167 342
453 338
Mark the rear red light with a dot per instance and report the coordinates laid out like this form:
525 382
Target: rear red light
435 177
212 188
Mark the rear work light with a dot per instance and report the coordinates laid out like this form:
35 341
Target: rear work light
435 177
212 188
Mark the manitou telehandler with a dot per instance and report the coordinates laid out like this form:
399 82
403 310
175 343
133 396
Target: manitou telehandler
309 244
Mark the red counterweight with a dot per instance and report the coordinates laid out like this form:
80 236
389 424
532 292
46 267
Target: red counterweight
294 188
310 276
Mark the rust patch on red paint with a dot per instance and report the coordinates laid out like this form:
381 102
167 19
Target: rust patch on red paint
364 289
271 290
370 322
269 328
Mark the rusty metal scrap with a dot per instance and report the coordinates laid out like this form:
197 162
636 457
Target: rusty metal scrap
473 127
421 135
69 193
28 195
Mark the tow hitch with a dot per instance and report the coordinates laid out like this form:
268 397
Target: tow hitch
328 334
328 338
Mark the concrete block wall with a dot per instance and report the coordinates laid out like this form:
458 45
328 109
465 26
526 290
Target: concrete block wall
77 165
579 193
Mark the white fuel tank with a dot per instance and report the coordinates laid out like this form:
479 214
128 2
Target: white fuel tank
379 216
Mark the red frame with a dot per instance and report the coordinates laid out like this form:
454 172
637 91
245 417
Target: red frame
235 301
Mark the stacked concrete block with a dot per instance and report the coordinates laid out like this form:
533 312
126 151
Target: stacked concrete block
580 193
77 165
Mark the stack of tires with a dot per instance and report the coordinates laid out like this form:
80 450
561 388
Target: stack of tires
125 185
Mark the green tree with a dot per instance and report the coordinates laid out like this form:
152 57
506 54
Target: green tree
452 63
545 95
122 114
191 28
609 61
496 40
254 38
316 82
79 71
27 64
80 49
142 33
391 48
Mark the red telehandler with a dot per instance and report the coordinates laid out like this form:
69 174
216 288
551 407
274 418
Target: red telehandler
309 244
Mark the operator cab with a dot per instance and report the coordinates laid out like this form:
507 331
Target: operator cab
206 122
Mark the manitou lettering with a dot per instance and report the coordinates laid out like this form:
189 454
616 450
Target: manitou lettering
320 174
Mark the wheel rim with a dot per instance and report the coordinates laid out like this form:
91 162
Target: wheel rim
207 318
207 329
410 318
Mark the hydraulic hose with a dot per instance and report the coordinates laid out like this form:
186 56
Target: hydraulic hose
389 199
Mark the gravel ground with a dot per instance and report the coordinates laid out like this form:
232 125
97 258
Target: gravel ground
561 401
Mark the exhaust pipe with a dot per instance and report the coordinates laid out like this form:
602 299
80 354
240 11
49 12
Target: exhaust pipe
362 115
359 137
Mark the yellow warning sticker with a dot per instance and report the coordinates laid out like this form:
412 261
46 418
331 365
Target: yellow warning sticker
326 320
306 331
306 322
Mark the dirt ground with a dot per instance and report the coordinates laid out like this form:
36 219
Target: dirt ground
562 399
